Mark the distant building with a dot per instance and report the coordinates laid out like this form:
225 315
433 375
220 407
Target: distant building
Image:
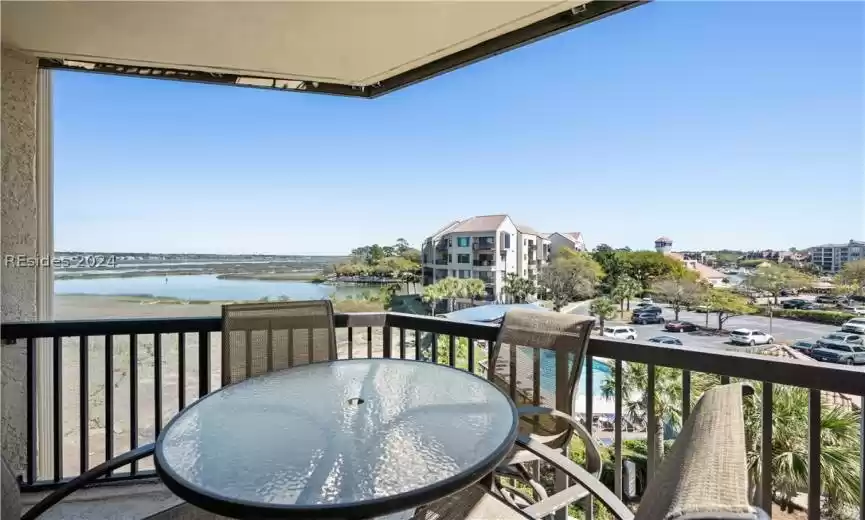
692 261
485 247
571 240
829 258
663 244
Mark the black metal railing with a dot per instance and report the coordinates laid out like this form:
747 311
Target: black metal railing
483 263
173 361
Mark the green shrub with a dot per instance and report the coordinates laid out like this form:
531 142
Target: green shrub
826 317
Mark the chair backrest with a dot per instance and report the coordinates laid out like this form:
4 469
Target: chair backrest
10 494
537 360
261 337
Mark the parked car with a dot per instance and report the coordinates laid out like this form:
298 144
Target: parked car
789 292
640 307
619 332
647 309
809 307
854 326
836 352
852 309
794 304
680 326
841 337
750 337
643 318
648 301
804 346
702 308
826 299
667 340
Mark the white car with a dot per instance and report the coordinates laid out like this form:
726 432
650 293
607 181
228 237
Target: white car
855 326
750 337
619 332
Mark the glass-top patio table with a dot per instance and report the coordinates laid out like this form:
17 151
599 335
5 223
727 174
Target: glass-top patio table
343 439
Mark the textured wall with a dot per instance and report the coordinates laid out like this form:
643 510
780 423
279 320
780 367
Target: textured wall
18 231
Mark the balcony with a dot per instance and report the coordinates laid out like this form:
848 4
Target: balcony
156 367
483 263
441 261
483 246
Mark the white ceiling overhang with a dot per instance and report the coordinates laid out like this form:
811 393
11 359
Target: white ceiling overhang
355 48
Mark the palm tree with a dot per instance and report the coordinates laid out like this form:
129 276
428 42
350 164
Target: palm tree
635 399
839 432
452 288
603 308
472 288
518 288
839 448
626 288
432 294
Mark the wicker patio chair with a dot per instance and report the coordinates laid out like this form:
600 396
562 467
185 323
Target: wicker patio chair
10 501
537 360
262 337
705 475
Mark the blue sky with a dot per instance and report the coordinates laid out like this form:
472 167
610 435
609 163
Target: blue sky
720 124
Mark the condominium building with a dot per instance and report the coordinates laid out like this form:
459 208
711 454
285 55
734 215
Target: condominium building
571 240
829 258
485 247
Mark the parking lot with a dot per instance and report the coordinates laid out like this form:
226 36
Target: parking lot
786 331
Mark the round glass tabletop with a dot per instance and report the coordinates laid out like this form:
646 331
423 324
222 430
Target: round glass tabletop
352 439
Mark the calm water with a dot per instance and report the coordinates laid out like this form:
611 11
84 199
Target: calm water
206 287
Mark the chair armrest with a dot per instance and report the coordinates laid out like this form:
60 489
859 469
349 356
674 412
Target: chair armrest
86 478
594 464
705 474
583 477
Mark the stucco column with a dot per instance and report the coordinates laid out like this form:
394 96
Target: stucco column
18 235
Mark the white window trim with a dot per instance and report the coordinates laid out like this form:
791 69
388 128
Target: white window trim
44 180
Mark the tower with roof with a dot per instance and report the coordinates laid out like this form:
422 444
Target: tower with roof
663 244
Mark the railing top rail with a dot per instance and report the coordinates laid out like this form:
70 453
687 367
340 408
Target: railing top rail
821 376
784 371
102 327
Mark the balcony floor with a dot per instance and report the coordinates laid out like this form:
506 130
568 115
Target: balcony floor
121 501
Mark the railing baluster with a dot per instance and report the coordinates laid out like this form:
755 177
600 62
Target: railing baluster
862 458
350 343
401 343
290 333
417 336
133 398
435 348
269 347
471 355
588 503
204 363
157 383
651 426
109 398
452 350
766 451
31 410
181 371
813 454
369 342
83 404
686 394
249 354
536 382
57 374
617 428
387 342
